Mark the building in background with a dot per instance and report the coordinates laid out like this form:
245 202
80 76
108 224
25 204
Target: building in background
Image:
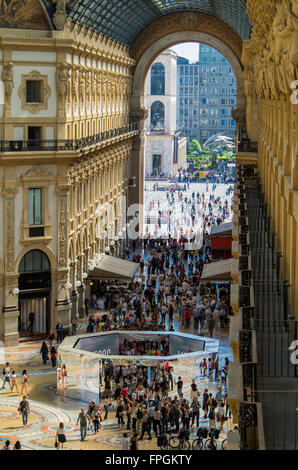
165 149
206 95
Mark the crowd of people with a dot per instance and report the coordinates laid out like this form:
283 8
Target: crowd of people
181 214
167 295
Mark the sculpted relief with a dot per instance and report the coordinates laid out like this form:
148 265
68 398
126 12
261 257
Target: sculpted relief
274 49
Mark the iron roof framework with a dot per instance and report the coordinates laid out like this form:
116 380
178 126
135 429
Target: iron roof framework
123 20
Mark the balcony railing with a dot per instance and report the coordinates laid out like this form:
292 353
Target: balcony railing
67 144
247 146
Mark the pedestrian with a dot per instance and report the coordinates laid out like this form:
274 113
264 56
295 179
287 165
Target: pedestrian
107 405
60 436
145 427
6 376
63 375
74 326
53 354
133 445
14 381
124 442
44 353
82 418
24 410
24 388
51 338
179 386
17 446
211 417
96 417
59 329
6 445
31 317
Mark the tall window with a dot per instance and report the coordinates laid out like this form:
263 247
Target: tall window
157 116
157 79
35 206
33 91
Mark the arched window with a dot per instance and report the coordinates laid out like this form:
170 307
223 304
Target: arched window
34 261
157 116
157 79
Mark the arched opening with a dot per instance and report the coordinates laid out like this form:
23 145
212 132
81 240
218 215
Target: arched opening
35 293
158 79
227 43
157 116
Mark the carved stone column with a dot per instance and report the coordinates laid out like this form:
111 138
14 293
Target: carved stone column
9 329
63 305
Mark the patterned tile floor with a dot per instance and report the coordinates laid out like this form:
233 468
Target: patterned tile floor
50 406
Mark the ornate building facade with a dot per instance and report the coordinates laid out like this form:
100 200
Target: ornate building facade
66 146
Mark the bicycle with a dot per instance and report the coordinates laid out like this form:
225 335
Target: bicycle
210 444
224 444
198 443
181 441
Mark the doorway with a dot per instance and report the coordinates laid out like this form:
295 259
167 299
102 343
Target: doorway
156 165
35 293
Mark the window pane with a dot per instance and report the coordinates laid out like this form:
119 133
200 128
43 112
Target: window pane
33 91
157 79
35 206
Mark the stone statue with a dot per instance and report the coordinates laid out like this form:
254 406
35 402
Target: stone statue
63 79
7 77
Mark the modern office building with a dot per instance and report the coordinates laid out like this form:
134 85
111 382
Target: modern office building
206 95
165 149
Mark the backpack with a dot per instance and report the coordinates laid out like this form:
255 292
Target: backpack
139 413
162 440
3 372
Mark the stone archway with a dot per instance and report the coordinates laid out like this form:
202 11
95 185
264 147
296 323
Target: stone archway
160 35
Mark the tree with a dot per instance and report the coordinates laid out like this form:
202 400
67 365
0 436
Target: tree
194 146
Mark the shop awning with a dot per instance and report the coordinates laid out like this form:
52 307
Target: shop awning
114 268
222 230
217 271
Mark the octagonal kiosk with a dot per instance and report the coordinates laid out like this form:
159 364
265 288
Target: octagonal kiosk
86 356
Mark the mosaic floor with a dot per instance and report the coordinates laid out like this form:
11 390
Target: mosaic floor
49 406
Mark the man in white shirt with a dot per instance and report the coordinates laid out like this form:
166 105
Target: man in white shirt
124 442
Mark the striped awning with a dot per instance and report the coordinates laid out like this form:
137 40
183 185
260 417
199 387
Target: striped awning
111 268
218 270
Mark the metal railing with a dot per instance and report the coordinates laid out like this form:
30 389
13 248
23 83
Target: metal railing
67 144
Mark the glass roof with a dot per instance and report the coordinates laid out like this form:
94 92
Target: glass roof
123 20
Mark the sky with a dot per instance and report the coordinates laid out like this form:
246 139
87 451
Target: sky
189 50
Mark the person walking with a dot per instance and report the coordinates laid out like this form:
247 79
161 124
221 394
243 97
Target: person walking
211 325
107 405
145 427
24 410
24 388
82 418
51 338
124 442
59 329
53 355
60 436
63 376
14 381
179 387
44 353
31 321
211 417
74 326
133 445
6 376
96 419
